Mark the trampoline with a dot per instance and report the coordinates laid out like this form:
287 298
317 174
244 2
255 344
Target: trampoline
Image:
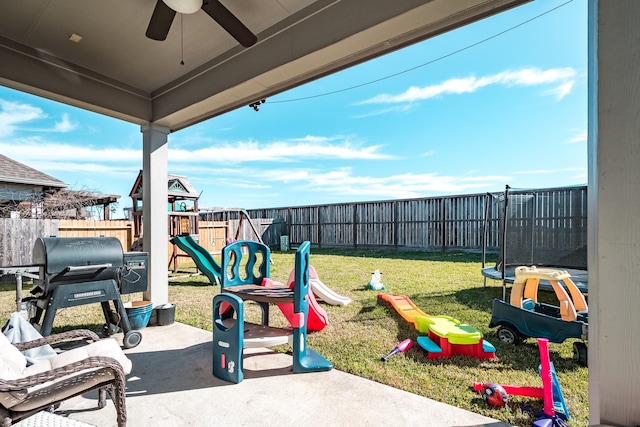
545 228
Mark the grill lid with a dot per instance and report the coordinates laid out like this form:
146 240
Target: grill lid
57 254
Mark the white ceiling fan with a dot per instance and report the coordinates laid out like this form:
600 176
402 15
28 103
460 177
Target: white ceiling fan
165 11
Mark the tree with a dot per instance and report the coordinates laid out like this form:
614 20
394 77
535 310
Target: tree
57 204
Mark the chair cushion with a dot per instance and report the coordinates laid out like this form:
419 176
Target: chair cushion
107 347
13 361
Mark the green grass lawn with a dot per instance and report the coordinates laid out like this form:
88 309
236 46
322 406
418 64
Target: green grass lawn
360 333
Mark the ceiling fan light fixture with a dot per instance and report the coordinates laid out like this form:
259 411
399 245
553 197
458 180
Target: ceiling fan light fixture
184 6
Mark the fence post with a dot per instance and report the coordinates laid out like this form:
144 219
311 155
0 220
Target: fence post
395 224
129 236
287 225
319 225
355 226
443 212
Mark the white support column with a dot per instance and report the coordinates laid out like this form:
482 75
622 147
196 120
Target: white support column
155 216
614 212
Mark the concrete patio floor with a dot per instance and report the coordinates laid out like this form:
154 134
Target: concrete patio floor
172 385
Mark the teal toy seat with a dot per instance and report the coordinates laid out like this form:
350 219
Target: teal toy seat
244 266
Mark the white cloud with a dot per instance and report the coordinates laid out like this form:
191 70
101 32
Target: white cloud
88 168
525 77
15 113
342 182
280 151
34 149
561 90
582 177
580 137
239 183
395 109
315 139
30 150
65 124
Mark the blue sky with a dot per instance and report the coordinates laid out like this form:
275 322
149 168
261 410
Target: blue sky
501 101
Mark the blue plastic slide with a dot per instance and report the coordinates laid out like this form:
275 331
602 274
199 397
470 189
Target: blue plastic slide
203 259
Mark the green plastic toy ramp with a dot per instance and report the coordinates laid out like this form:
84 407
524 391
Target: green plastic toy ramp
203 259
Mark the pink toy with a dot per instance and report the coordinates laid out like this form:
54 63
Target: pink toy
547 379
318 317
555 409
399 348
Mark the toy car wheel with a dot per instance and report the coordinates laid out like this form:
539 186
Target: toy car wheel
509 335
580 353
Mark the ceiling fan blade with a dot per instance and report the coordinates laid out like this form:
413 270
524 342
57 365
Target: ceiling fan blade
229 22
160 22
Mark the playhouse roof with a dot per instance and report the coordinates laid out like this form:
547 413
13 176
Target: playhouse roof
180 188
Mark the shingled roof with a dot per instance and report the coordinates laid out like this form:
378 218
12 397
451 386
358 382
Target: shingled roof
17 173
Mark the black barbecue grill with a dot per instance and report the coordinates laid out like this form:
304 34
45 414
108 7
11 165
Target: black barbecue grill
84 270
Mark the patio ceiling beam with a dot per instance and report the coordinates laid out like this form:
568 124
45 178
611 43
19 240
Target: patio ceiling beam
38 73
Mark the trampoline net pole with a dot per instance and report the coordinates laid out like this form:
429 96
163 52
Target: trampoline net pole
504 242
485 230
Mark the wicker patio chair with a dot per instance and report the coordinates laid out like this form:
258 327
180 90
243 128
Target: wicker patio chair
25 390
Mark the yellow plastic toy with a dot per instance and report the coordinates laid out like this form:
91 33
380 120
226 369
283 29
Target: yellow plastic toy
523 316
446 336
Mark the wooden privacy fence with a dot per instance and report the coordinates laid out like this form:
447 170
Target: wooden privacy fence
443 223
433 223
123 230
17 237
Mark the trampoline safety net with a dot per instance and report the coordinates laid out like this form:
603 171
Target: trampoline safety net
544 228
